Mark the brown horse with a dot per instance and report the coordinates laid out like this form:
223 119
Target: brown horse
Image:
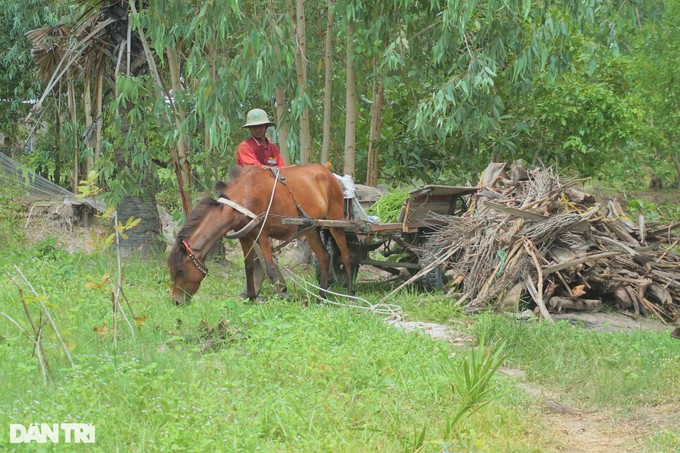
315 189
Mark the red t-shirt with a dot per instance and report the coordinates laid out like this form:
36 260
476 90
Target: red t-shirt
252 152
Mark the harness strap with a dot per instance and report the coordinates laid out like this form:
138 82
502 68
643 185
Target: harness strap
238 207
299 232
200 266
283 181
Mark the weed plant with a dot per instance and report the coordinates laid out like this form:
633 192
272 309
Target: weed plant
11 213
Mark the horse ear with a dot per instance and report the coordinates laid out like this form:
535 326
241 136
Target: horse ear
220 187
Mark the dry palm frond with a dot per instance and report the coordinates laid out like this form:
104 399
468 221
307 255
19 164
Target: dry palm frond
39 35
47 59
574 243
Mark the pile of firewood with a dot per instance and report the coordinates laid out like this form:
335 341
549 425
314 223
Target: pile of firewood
531 233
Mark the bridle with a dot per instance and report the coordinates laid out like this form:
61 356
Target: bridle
200 266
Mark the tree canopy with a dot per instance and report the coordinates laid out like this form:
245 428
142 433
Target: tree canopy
417 91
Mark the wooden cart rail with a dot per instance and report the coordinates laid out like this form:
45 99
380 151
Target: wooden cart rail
358 226
408 233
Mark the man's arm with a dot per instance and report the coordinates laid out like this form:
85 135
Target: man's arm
245 157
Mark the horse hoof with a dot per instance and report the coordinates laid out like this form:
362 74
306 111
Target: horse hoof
286 296
245 299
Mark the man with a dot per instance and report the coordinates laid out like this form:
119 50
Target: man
258 150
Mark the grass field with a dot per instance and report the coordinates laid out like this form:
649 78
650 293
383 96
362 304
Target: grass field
296 376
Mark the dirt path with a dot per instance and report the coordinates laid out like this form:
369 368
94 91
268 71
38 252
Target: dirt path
582 430
595 430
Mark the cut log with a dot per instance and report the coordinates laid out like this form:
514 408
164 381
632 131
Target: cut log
576 196
562 303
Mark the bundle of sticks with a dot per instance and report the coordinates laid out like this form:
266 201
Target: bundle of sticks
531 233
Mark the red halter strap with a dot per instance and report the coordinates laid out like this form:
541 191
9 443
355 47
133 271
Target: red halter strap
200 266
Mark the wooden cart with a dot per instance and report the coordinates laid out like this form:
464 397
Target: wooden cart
402 241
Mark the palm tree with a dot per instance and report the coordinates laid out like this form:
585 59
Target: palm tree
100 44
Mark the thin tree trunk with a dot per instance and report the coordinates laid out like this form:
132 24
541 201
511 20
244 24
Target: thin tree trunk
186 202
87 107
281 127
337 156
677 169
70 94
207 162
374 123
328 57
182 146
57 147
98 113
376 151
351 99
280 110
305 136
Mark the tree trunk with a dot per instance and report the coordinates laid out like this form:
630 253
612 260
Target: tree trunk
57 142
677 169
281 127
184 197
335 151
374 123
376 150
280 110
328 57
146 237
182 146
305 136
70 94
87 107
98 113
209 163
351 99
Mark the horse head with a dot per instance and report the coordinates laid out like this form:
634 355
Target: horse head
206 223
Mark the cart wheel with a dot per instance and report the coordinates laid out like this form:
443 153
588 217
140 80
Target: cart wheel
336 269
435 279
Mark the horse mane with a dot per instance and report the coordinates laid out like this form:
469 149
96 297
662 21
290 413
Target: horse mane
195 218
234 173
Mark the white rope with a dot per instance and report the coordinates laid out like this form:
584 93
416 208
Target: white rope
391 310
266 214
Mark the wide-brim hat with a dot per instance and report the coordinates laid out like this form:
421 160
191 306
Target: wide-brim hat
257 117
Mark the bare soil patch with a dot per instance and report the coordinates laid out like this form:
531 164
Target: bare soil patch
611 322
587 430
70 225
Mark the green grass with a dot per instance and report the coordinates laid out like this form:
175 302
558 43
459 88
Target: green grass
664 441
292 377
614 370
288 378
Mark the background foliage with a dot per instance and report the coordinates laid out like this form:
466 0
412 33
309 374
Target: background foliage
588 85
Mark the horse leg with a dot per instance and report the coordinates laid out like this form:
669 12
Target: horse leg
341 241
315 243
258 269
272 275
248 252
